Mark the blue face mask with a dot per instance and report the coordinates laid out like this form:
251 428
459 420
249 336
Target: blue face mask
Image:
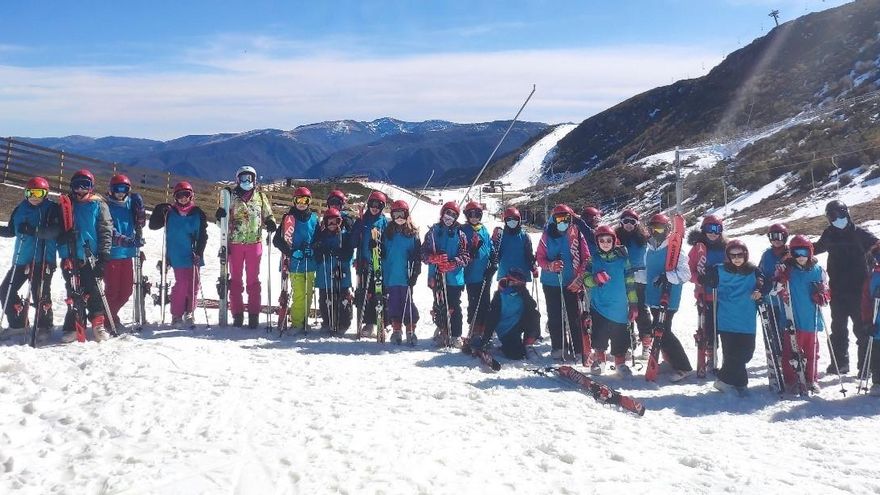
562 226
840 222
246 185
512 223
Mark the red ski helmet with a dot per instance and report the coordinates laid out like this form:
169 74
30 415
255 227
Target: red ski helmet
592 211
512 212
777 231
302 191
604 230
378 196
331 213
83 174
471 206
400 205
37 183
450 205
183 186
119 179
562 210
659 219
336 193
736 243
629 213
800 241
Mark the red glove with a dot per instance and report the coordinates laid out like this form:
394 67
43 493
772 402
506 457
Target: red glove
601 278
447 266
820 297
556 266
782 292
781 274
436 259
576 285
633 312
496 235
534 271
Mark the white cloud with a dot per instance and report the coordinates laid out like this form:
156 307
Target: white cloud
255 87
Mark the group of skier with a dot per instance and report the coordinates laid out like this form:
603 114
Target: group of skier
599 282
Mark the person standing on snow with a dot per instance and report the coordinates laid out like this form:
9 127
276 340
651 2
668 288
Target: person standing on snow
707 250
333 253
368 234
563 256
401 267
337 199
658 278
513 247
848 248
186 234
737 285
128 223
301 266
93 228
632 235
250 212
479 272
445 249
35 224
774 256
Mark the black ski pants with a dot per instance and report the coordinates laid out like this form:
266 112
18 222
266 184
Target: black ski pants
91 294
512 343
553 298
706 318
643 321
340 320
605 330
365 297
670 346
846 306
737 350
41 290
478 302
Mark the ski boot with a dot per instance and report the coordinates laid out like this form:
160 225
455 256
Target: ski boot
189 320
98 329
253 320
646 348
598 363
621 367
396 334
238 320
411 338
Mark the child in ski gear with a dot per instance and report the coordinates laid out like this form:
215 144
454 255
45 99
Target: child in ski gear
737 286
186 234
563 256
774 256
337 199
632 235
445 250
401 267
249 213
587 223
368 231
707 249
871 313
127 238
613 300
92 229
302 258
333 251
513 316
513 247
34 223
803 285
848 266
479 272
659 279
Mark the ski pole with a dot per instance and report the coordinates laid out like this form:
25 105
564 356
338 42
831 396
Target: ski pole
162 276
566 325
11 275
714 331
863 373
269 281
821 318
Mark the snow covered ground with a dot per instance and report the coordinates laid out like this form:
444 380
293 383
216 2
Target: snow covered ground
219 410
527 170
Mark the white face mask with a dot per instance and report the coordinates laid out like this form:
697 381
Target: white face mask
448 220
246 185
512 223
840 222
562 226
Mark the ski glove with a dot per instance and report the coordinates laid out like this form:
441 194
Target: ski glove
220 213
781 274
633 312
126 241
782 293
601 278
26 229
447 266
413 279
556 266
161 209
576 285
269 224
661 280
820 296
534 272
436 259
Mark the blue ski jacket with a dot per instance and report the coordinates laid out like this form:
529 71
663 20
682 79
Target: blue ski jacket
91 219
331 247
514 248
401 258
186 233
362 235
300 250
612 299
480 250
734 287
452 242
123 217
802 281
39 244
655 266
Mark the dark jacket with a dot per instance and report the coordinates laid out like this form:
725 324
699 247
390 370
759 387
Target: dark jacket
848 256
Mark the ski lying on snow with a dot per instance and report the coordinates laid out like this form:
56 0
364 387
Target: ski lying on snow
599 391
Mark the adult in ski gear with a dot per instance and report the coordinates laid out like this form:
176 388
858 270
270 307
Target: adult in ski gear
633 235
513 316
93 229
673 280
299 251
127 237
587 222
249 214
613 300
737 284
445 250
333 253
563 256
186 231
803 285
707 249
848 264
479 272
401 267
35 224
368 231
513 246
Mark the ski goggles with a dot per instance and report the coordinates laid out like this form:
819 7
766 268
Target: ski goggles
736 254
835 214
375 203
35 193
777 236
605 239
399 214
334 201
120 188
183 194
334 221
245 178
800 252
474 214
565 217
81 183
713 228
628 221
302 200
658 228
451 214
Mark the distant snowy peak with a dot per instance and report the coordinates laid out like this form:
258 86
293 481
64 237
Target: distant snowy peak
382 127
526 171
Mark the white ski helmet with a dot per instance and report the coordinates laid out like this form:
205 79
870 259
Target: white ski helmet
247 169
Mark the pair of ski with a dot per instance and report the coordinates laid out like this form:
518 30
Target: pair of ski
673 250
599 391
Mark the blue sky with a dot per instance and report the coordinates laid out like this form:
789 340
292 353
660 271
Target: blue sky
163 69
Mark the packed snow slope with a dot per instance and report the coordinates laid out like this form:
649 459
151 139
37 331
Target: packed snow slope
223 410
